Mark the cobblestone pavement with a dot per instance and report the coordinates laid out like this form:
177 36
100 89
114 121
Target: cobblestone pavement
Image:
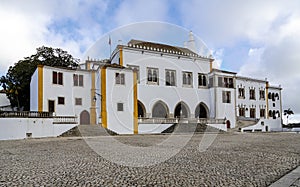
232 160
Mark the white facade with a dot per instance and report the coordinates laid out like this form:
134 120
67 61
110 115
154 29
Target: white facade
152 82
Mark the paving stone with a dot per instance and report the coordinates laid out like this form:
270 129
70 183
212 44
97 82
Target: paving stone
256 159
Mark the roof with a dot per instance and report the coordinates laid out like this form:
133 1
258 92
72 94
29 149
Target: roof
163 48
223 71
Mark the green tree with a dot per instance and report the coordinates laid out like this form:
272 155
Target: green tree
16 82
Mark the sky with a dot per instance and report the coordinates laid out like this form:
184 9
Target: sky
257 38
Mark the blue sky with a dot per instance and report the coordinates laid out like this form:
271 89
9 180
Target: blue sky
259 38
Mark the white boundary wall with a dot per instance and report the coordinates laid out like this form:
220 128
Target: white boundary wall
17 128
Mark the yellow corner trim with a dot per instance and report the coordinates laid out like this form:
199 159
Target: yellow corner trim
103 98
135 104
40 87
121 56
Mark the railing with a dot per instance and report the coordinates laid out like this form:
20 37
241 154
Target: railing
157 120
25 114
177 120
30 114
64 120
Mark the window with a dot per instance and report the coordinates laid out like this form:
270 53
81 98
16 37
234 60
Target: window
241 93
242 111
252 94
120 78
152 75
202 80
77 80
226 82
273 104
262 113
170 77
226 97
262 94
211 82
120 107
57 78
61 100
252 112
78 101
269 95
187 78
137 70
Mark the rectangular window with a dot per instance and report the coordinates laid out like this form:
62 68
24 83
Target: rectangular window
242 111
152 76
211 82
226 82
187 78
57 78
241 93
252 112
262 94
202 80
61 100
77 80
262 113
54 77
120 107
78 101
120 78
137 70
170 78
226 97
252 94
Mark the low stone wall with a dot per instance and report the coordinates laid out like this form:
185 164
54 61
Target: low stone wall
20 128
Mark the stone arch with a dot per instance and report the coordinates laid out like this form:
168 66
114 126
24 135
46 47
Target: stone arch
84 118
141 110
160 110
182 110
201 111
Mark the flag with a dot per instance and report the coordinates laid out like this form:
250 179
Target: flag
109 41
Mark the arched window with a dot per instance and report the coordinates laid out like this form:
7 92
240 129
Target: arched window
273 97
154 77
181 110
149 75
173 78
270 113
160 110
201 111
141 110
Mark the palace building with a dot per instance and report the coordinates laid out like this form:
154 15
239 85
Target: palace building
146 87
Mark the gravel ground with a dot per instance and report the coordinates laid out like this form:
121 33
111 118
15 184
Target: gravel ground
256 159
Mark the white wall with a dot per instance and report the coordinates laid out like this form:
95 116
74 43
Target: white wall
67 90
16 128
34 91
120 122
171 95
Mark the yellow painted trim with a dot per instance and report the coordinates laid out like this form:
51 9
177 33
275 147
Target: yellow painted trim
93 103
267 99
40 87
121 56
211 65
103 98
135 104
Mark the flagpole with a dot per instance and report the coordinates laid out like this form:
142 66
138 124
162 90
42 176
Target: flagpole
109 42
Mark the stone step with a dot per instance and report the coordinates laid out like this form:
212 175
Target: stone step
190 128
88 130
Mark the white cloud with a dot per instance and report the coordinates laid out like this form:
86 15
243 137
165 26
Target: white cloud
136 11
26 25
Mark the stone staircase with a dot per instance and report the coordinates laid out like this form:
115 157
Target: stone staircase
191 128
88 130
242 124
